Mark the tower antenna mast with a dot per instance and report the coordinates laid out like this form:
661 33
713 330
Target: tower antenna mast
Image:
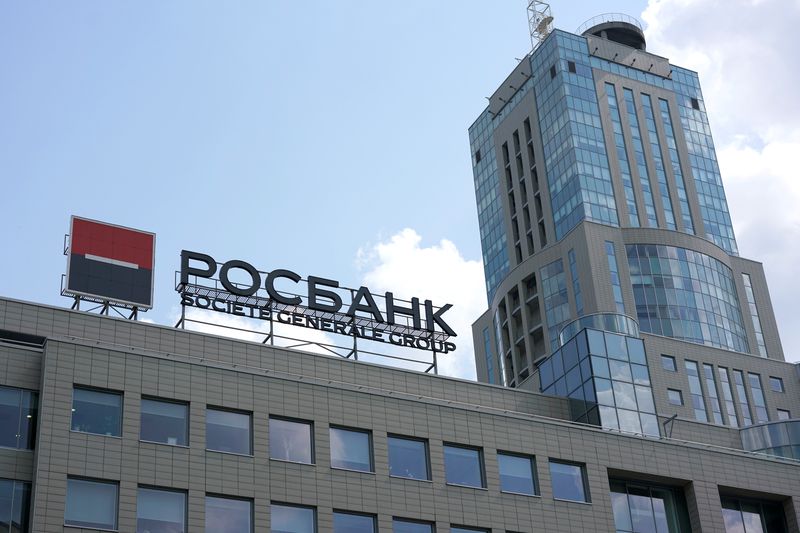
540 21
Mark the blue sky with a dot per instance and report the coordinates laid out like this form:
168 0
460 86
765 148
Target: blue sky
291 134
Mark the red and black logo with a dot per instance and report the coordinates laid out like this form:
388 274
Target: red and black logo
111 262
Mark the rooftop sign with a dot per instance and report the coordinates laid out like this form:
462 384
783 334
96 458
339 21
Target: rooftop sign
315 302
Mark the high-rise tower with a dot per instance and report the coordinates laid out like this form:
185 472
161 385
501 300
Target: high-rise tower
602 212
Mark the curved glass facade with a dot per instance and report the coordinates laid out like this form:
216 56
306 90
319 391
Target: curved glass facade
776 438
686 295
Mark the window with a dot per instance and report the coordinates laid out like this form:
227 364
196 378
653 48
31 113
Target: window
758 397
675 396
784 414
569 481
776 384
351 449
228 515
408 458
552 72
292 519
753 515
165 422
477 156
18 410
344 522
228 431
401 525
160 511
15 501
462 529
95 411
464 466
696 390
668 362
638 508
695 103
91 503
517 473
571 66
291 440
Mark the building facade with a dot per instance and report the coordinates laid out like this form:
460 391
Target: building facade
612 271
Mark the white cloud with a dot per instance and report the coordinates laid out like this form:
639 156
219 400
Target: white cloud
744 53
438 273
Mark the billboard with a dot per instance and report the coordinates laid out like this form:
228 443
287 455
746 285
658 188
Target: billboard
110 263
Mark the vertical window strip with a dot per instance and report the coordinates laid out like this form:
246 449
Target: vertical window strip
696 390
655 151
576 284
713 395
556 300
751 304
758 397
487 346
641 165
622 156
727 395
744 403
615 284
677 171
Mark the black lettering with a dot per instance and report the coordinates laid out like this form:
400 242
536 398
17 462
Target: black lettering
186 270
449 347
312 322
274 294
392 309
431 318
395 338
238 310
283 317
216 301
205 302
186 300
408 340
265 313
314 293
371 307
326 325
338 327
297 320
255 278
423 344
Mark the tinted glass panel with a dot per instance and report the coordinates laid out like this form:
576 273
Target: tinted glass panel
455 529
463 466
353 523
91 504
568 481
228 515
97 412
291 519
516 474
408 458
351 450
160 511
15 500
18 410
165 422
668 362
227 431
408 526
290 440
776 384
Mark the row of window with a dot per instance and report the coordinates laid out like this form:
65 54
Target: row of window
166 422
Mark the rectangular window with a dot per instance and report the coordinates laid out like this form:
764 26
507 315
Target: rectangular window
291 440
744 404
552 72
758 397
408 458
517 473
160 511
292 519
751 305
571 66
569 481
784 414
776 384
462 529
351 449
675 396
668 363
344 522
18 409
464 466
166 422
615 284
696 389
713 396
402 525
727 394
228 515
91 503
97 411
477 156
15 501
229 431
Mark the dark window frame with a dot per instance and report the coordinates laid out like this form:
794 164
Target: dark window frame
534 474
166 400
665 357
414 521
309 423
121 394
115 483
775 379
220 496
680 395
165 489
426 444
370 441
584 476
211 407
313 509
481 464
372 516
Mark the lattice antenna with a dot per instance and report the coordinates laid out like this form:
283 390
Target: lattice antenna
540 21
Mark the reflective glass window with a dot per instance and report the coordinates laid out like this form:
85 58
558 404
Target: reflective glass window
96 411
751 304
675 396
746 516
160 511
555 299
408 458
91 504
165 422
353 523
400 525
463 466
228 431
727 396
292 519
713 397
744 403
462 529
696 390
18 411
622 156
291 440
569 481
516 473
784 414
760 403
640 508
228 515
776 384
15 502
668 363
351 449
